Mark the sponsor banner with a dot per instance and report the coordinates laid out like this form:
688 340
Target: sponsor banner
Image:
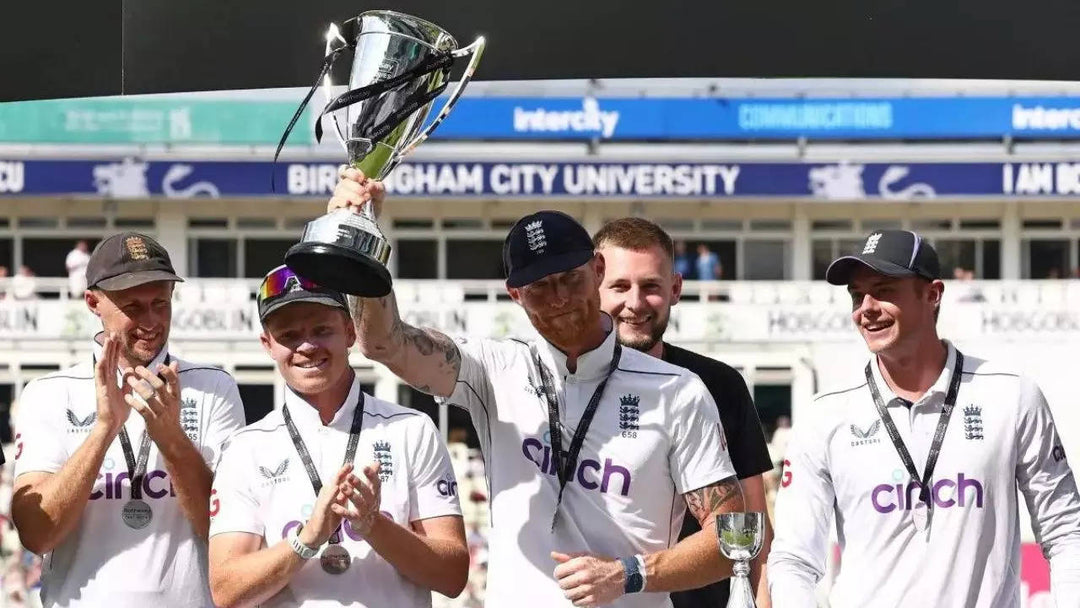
165 119
132 178
566 118
690 321
187 119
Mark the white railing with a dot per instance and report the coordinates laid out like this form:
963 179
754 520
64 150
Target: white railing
712 312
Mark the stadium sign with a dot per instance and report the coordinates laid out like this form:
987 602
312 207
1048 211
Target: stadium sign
134 178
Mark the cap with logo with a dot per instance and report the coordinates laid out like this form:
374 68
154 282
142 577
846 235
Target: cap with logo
282 287
895 253
127 260
544 243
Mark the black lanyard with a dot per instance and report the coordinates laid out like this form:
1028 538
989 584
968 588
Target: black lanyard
305 456
136 470
939 434
565 467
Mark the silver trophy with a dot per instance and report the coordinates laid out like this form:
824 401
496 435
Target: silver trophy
741 536
400 65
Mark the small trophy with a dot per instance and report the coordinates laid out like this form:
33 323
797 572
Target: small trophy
741 536
400 65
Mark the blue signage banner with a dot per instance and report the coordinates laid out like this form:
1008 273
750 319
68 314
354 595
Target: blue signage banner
130 178
510 118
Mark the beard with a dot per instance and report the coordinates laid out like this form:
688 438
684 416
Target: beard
643 341
140 356
566 331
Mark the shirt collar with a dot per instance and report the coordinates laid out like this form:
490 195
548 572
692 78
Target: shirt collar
307 416
940 386
590 365
158 359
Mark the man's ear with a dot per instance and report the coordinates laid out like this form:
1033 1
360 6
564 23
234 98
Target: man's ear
937 291
676 289
93 299
264 339
515 294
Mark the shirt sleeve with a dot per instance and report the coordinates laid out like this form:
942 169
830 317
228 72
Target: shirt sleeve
225 417
699 454
1049 488
432 486
474 392
39 431
234 507
803 516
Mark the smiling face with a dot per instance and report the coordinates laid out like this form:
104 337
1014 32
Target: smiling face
894 314
638 291
141 316
309 342
564 307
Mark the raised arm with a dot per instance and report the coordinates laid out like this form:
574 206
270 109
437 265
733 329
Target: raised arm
49 492
425 358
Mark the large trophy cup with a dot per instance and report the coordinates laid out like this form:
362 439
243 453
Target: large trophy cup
741 536
400 65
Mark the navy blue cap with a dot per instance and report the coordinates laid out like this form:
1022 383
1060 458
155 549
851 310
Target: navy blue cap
894 253
544 243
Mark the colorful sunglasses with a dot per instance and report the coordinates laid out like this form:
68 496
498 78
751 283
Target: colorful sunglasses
279 281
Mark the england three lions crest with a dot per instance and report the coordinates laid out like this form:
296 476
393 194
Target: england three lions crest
628 415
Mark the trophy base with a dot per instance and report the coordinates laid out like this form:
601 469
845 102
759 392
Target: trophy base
339 268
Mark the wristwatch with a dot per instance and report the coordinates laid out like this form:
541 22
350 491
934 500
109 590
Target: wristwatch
305 552
635 574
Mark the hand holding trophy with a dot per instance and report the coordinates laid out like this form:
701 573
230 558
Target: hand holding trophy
400 65
741 536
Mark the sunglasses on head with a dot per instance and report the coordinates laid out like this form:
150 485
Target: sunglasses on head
280 281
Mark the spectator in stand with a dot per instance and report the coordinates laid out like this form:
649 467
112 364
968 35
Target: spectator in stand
708 264
23 284
76 262
683 267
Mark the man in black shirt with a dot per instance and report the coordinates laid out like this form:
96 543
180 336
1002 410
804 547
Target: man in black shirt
638 290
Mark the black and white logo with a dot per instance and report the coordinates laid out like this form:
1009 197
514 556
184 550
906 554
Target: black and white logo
628 415
973 426
865 436
385 459
277 475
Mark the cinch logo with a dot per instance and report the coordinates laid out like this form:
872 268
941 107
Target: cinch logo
344 529
945 493
446 487
154 485
589 475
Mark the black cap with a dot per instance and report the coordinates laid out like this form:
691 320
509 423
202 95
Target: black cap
294 290
126 260
896 253
544 243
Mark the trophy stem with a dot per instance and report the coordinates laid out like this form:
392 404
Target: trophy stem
742 594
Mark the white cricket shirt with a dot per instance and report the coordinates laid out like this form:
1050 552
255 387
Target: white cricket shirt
656 435
842 463
262 488
104 562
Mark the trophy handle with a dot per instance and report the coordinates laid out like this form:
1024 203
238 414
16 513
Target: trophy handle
476 49
332 34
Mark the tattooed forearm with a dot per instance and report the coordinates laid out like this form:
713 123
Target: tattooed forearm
723 496
425 358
